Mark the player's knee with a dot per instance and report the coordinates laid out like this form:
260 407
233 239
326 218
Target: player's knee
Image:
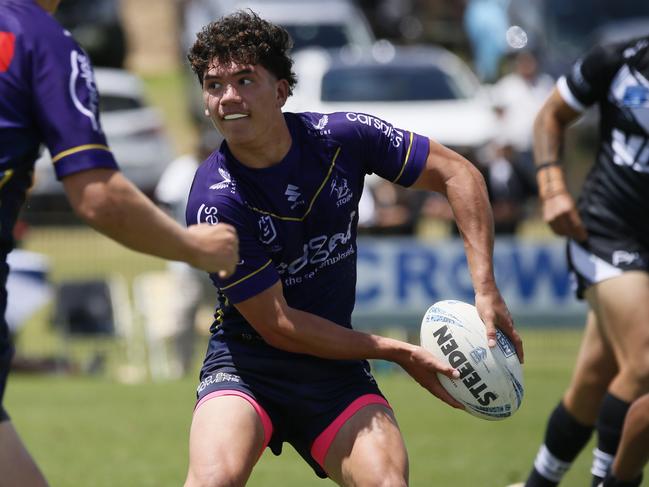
636 372
386 475
216 476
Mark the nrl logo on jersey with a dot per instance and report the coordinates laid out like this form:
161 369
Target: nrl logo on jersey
266 229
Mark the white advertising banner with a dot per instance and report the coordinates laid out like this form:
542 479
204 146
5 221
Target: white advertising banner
399 278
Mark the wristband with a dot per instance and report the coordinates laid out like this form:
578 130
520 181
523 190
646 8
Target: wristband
545 165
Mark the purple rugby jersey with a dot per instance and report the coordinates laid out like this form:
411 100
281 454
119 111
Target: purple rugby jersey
47 95
297 220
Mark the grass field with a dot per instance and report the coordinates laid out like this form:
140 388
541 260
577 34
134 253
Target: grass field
95 432
98 432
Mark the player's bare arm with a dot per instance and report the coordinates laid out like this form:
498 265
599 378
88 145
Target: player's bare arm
450 174
114 206
559 209
297 331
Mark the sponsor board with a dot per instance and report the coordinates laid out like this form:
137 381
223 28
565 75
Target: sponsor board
399 278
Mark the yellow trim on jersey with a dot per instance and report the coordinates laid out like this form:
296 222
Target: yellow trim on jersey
79 148
403 167
6 176
248 276
308 210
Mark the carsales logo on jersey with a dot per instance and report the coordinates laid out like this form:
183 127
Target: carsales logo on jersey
395 135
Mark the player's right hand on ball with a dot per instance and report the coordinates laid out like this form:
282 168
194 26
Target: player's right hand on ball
424 367
216 248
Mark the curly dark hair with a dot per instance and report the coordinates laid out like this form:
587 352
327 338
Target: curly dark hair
244 38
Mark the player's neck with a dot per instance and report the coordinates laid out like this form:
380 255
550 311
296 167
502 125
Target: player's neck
265 151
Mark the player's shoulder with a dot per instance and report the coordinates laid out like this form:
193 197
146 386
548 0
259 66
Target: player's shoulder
33 26
215 182
215 192
340 127
615 53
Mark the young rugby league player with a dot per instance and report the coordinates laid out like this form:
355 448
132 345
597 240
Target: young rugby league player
283 363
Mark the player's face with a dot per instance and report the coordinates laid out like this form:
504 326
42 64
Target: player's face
243 101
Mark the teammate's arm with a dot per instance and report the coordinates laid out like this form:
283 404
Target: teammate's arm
298 331
558 206
450 174
111 204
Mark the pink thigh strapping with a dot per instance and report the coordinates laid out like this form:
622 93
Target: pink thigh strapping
263 415
323 442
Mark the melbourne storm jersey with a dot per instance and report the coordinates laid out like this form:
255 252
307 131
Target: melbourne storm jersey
47 94
615 195
296 220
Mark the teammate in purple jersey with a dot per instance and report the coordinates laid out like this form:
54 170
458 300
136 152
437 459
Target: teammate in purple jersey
48 95
283 363
608 252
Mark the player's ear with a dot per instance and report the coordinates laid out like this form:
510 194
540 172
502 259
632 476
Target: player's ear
282 92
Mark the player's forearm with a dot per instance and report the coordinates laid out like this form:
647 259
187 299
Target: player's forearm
115 207
468 197
302 332
549 129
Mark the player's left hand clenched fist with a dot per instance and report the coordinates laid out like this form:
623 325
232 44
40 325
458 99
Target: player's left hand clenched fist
216 248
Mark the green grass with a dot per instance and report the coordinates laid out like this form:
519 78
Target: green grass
97 432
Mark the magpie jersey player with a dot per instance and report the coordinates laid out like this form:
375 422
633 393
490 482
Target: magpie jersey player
614 199
608 252
296 223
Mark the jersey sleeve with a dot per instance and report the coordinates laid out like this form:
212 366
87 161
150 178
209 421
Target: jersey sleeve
66 104
255 271
393 153
590 76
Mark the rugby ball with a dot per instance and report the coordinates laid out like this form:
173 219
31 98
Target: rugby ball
491 379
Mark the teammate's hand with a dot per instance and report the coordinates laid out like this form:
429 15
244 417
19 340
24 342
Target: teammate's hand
560 212
494 314
216 248
423 367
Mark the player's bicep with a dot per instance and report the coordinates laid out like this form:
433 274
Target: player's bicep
442 164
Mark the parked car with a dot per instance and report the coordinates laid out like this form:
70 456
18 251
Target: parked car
323 23
426 89
134 130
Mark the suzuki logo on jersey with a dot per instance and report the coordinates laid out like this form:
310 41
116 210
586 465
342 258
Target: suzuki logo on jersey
207 214
266 229
227 179
294 195
82 73
340 188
